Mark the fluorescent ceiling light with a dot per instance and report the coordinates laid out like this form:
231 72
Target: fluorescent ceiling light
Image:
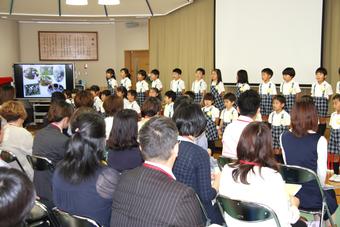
108 2
77 2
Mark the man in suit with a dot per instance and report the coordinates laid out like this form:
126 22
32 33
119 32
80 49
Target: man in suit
149 195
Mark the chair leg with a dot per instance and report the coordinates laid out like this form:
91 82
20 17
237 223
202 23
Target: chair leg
322 214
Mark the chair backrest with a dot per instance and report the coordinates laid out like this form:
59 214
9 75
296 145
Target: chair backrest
8 156
40 163
246 211
38 215
297 174
67 220
222 161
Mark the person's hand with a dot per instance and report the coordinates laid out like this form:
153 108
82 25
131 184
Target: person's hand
217 177
294 201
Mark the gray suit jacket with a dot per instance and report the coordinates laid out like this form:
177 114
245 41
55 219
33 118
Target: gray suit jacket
148 197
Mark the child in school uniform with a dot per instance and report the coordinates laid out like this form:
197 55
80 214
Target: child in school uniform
212 115
98 103
142 87
229 113
289 88
111 80
68 96
177 84
169 99
334 141
279 120
154 92
321 91
242 84
267 90
105 94
199 86
337 89
156 82
132 104
125 81
217 88
122 93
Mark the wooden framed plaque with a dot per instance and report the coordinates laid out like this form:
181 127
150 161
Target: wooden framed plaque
68 46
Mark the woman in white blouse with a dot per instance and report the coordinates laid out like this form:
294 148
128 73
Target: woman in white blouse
255 178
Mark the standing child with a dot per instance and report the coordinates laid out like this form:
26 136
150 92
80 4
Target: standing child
338 84
289 88
267 90
125 81
217 88
142 87
132 104
334 141
242 84
169 99
111 80
177 84
212 115
199 86
280 122
98 103
321 91
156 82
229 113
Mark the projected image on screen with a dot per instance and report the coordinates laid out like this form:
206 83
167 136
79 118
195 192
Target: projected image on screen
43 80
256 34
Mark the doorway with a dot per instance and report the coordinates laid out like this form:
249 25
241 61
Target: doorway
136 60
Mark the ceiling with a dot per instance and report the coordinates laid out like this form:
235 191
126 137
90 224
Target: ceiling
58 10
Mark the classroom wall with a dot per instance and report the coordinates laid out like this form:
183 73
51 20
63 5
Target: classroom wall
9 46
111 45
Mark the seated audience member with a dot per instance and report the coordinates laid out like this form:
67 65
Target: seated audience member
149 195
151 107
190 94
254 177
7 93
169 99
112 105
132 101
82 185
17 197
105 94
248 106
124 153
58 96
192 166
312 153
154 92
15 138
83 99
50 142
68 95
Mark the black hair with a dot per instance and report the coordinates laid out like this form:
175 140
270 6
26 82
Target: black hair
182 100
7 92
307 98
201 70
190 120
171 94
230 96
123 90
132 93
208 96
159 95
112 72
106 93
177 70
126 71
190 94
268 71
143 73
242 76
59 110
85 149
336 97
321 70
219 75
95 88
155 72
280 98
68 93
124 130
339 70
57 96
151 107
289 71
248 103
17 197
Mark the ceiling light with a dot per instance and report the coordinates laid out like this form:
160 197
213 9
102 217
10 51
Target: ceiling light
76 2
108 2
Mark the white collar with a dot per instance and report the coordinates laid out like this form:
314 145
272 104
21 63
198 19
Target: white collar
163 167
182 138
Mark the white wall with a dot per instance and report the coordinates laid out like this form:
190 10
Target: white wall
113 39
9 46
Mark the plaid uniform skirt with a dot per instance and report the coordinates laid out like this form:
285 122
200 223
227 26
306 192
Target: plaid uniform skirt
290 100
211 130
198 98
140 98
217 98
276 133
334 141
266 106
321 104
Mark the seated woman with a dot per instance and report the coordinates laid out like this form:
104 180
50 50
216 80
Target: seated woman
50 142
255 178
17 197
150 108
124 153
16 139
111 105
192 166
312 154
82 185
83 99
